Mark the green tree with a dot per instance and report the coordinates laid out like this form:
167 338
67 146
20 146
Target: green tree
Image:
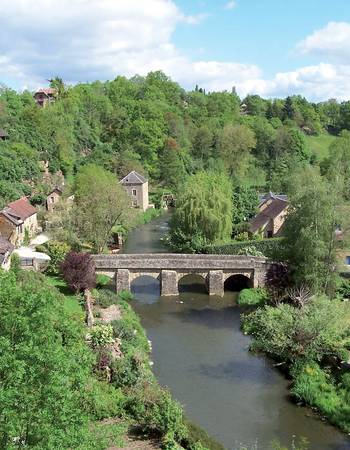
45 368
309 230
203 212
235 145
101 204
172 165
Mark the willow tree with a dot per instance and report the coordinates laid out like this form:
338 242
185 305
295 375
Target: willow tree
203 212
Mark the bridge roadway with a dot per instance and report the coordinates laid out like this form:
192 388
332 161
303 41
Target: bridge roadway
169 268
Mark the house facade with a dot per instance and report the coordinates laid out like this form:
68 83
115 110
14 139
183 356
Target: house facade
137 187
271 216
16 218
44 96
53 198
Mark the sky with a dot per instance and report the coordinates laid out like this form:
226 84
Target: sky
273 48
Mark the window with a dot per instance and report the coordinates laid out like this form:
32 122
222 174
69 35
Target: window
134 192
269 234
347 260
134 203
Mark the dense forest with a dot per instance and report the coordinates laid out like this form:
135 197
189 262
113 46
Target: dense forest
154 126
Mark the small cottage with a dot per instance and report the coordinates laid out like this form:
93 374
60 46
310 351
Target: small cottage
137 187
6 249
270 219
44 96
16 218
53 198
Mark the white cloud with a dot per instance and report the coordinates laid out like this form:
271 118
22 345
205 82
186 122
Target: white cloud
230 5
332 42
85 40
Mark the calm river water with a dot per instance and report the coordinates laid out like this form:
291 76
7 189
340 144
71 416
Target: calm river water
200 353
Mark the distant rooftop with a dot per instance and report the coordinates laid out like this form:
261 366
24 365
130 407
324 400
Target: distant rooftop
133 178
20 208
46 91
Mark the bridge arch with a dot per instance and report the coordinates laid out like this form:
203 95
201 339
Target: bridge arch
145 285
193 282
237 282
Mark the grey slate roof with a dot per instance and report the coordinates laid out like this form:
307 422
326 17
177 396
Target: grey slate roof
11 216
264 197
133 178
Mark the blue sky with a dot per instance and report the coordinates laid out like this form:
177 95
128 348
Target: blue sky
270 47
262 32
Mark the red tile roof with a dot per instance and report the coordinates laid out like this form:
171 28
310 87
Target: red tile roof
22 208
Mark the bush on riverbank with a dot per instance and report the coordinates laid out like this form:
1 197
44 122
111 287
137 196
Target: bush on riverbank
253 297
307 339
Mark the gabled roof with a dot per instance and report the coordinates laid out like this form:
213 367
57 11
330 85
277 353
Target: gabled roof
21 208
133 178
55 189
46 91
270 195
270 212
11 216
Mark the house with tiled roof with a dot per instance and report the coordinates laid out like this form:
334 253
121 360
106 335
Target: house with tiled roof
44 96
271 216
136 186
17 219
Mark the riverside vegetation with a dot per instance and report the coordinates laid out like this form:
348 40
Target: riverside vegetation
215 153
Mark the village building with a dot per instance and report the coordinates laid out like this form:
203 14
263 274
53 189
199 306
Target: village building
17 219
44 96
3 135
137 187
53 198
271 216
6 249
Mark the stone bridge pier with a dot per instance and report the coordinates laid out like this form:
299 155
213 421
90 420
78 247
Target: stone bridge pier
169 269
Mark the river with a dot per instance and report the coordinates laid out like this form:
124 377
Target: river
202 356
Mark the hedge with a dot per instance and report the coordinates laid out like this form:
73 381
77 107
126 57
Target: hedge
268 247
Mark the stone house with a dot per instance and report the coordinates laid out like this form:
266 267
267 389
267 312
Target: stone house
6 249
271 216
137 187
16 218
44 96
53 198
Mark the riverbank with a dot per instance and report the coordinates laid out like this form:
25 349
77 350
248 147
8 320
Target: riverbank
198 342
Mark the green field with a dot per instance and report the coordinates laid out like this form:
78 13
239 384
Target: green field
319 145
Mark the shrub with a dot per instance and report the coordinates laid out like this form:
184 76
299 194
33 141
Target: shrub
101 335
253 297
343 287
15 263
102 280
156 412
268 247
125 296
130 370
57 251
105 298
251 250
78 271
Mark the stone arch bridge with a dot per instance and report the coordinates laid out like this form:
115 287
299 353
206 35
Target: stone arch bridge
170 268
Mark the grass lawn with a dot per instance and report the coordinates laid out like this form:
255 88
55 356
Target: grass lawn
71 302
319 145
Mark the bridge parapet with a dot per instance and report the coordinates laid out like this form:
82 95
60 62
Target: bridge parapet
170 267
